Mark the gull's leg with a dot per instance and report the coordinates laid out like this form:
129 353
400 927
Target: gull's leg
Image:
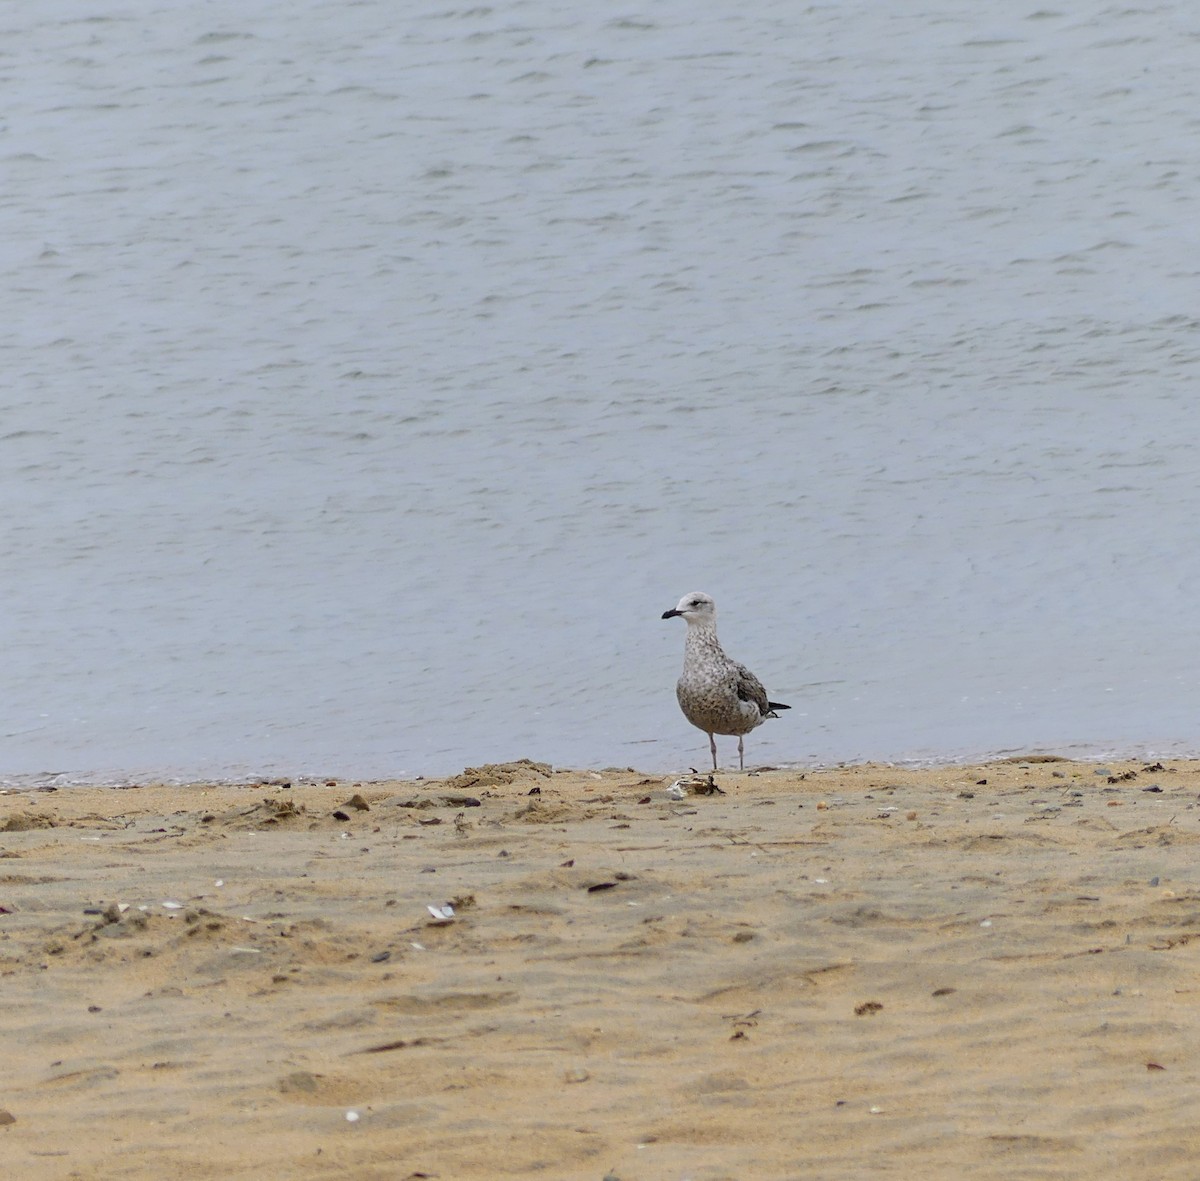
712 745
741 757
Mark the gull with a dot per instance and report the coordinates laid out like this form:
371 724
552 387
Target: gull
717 695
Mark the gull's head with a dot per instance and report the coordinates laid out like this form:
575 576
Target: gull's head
695 607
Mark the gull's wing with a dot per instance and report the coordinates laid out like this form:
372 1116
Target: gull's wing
749 688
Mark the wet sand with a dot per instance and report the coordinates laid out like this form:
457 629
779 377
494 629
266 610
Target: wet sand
988 971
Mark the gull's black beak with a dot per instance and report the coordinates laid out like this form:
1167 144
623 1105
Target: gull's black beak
671 614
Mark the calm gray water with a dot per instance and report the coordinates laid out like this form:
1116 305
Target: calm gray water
375 375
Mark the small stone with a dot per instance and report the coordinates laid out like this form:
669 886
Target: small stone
7 1117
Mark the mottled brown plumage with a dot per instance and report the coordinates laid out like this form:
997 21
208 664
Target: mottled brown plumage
717 695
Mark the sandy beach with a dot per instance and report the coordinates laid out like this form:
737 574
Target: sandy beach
988 971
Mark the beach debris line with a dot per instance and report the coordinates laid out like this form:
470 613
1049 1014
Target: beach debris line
694 785
717 695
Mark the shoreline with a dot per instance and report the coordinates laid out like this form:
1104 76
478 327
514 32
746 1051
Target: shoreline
988 967
107 778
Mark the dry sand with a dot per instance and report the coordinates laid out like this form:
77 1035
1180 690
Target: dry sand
985 972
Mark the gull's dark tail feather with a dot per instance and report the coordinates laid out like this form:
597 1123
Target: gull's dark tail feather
777 705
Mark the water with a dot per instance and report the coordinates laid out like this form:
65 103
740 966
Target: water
375 378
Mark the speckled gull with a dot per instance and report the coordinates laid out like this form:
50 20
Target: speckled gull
716 694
